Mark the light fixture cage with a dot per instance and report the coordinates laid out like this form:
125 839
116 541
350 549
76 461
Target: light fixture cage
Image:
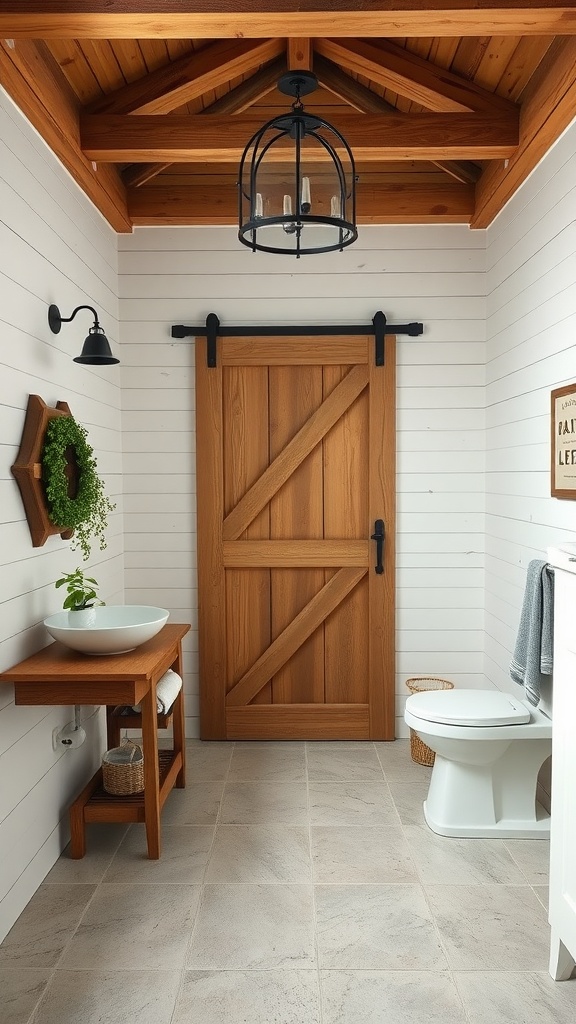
297 181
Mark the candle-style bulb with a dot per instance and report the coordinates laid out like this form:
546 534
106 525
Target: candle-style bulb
305 201
335 207
289 227
259 206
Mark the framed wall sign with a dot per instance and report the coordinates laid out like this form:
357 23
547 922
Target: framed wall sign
563 447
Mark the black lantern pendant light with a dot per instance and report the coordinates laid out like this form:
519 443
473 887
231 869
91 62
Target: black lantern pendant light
297 181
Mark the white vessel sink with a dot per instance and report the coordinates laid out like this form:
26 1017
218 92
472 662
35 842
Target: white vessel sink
113 629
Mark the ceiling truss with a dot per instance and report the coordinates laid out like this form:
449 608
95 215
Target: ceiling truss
150 104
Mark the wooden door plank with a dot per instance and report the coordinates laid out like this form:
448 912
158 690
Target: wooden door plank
381 640
295 452
247 554
346 455
298 722
284 646
211 581
275 351
246 456
296 510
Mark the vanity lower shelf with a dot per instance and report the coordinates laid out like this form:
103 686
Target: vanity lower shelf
95 804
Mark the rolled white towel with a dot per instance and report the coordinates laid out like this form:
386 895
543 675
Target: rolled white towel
167 689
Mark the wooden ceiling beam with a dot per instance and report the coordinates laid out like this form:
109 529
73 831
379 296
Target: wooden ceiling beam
409 75
34 81
348 89
191 76
209 19
299 54
461 170
447 203
234 102
368 102
549 107
253 89
140 174
117 139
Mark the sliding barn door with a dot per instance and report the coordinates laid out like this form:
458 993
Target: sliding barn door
295 466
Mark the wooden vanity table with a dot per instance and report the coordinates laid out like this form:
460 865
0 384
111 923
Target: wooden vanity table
57 675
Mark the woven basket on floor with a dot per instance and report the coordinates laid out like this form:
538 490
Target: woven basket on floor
123 770
420 751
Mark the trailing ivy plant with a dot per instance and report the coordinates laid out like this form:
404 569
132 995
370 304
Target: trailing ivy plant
87 511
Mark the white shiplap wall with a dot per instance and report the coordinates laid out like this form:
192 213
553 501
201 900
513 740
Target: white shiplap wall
531 330
433 274
54 247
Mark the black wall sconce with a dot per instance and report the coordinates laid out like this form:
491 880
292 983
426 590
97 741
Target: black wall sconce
96 350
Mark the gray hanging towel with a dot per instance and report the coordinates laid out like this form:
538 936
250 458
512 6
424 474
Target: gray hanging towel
533 652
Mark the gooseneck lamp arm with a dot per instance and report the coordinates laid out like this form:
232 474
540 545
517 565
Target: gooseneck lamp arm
96 350
55 318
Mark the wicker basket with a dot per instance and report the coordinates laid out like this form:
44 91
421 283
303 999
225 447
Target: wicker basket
123 770
420 752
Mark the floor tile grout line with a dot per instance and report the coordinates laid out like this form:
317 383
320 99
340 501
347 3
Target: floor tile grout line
203 882
313 893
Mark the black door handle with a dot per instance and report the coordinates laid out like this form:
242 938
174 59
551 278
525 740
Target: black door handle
378 536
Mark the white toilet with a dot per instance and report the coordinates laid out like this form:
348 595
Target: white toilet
489 749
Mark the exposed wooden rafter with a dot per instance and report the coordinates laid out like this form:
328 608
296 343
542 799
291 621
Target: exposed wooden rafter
368 102
348 89
189 77
254 88
377 204
410 76
454 109
208 19
299 54
234 102
461 170
117 139
140 174
35 83
548 108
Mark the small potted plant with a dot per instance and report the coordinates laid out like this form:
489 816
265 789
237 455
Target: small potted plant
81 599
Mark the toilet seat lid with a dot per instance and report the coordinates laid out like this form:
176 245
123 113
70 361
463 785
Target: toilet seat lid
468 707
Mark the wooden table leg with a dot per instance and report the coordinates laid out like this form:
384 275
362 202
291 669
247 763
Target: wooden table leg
112 729
151 772
179 724
77 819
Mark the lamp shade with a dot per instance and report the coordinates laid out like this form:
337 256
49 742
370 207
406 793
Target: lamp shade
96 349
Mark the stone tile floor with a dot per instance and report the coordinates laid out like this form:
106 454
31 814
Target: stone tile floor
298 884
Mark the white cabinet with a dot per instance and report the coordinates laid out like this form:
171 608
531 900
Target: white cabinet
563 823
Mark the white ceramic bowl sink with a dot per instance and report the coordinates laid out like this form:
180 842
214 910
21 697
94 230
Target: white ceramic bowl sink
113 629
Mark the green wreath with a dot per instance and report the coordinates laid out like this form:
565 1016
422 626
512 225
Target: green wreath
87 512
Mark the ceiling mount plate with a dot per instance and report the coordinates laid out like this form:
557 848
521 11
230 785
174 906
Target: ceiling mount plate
297 83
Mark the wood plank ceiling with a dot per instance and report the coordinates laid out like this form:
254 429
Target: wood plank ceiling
444 126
